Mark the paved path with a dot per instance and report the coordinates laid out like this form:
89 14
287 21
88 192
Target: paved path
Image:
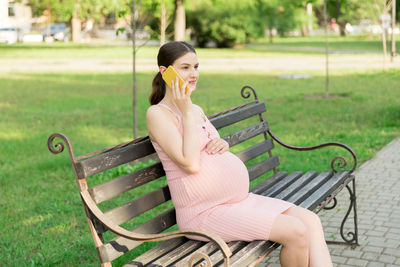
263 63
378 201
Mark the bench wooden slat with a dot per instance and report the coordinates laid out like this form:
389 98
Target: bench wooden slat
139 205
310 187
111 250
250 253
296 186
208 248
271 181
177 253
156 252
256 150
238 115
247 133
325 190
114 158
217 258
276 186
114 187
263 167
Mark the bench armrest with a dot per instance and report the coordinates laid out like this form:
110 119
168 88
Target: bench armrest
338 161
115 228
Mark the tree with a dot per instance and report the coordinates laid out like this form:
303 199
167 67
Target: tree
226 22
73 11
160 22
180 21
344 11
137 14
279 14
383 7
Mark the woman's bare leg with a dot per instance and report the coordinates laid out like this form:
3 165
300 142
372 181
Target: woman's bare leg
319 253
291 233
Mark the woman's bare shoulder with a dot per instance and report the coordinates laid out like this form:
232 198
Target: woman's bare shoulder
156 114
198 107
152 110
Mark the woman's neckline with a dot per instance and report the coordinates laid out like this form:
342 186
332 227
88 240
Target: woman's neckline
176 111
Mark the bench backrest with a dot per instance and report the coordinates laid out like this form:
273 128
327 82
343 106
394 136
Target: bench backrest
139 199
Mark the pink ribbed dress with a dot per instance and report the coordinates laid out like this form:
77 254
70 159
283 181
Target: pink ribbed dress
217 198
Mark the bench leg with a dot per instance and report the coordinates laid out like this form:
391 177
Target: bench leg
352 237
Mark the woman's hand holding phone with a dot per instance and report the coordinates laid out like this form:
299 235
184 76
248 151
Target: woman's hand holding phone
181 95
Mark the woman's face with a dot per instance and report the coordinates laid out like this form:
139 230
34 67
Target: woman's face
187 67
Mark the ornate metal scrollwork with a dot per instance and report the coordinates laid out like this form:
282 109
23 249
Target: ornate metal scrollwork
200 256
59 147
246 94
333 205
206 261
353 240
352 237
338 161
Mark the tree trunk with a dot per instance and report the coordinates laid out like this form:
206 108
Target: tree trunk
163 25
134 89
384 47
48 13
393 27
76 24
304 31
180 21
309 18
326 52
339 20
271 36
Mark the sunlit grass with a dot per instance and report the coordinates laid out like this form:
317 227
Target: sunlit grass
280 46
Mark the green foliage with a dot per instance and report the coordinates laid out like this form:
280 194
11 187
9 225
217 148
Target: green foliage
346 11
225 22
282 15
63 10
154 23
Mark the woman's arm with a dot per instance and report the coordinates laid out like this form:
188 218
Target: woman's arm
163 129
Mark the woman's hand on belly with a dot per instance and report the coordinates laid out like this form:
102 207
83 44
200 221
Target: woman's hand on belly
217 145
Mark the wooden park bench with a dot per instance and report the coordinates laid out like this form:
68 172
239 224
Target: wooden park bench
140 200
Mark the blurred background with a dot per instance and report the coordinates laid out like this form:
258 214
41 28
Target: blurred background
221 23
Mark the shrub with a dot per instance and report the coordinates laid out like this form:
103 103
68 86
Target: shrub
227 24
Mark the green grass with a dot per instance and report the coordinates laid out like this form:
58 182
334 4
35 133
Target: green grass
349 44
280 46
42 221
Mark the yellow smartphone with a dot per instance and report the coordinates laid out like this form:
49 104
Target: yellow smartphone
170 75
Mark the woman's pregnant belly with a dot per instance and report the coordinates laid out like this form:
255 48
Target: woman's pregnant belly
223 178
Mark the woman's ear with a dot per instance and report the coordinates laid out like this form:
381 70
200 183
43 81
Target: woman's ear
162 69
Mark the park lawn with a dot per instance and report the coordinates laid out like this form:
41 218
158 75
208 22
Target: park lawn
280 47
42 221
349 44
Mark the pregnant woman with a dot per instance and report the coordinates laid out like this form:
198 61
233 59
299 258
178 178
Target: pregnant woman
209 185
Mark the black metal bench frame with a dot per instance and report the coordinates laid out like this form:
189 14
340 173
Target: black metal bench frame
309 190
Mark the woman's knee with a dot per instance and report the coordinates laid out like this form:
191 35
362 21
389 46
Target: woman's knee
309 218
313 220
299 233
289 231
